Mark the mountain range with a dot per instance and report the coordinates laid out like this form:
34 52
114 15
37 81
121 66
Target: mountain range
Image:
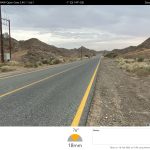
141 50
33 50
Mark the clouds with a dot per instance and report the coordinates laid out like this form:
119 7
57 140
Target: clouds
98 27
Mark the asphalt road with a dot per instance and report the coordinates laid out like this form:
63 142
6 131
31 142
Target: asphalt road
48 97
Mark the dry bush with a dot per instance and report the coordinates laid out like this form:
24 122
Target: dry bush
55 61
111 55
13 63
7 68
31 65
140 59
1 64
133 66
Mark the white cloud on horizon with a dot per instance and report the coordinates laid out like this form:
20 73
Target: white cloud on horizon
96 27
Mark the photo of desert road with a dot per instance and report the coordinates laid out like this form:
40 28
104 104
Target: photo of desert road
74 65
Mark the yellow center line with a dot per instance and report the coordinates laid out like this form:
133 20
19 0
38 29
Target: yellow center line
33 83
80 109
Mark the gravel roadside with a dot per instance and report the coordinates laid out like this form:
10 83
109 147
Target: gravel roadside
120 98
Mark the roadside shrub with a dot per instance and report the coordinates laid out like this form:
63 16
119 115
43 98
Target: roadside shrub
35 65
1 64
29 65
6 69
13 63
148 68
45 61
120 61
73 59
143 71
55 61
129 60
111 55
39 63
139 68
86 55
140 59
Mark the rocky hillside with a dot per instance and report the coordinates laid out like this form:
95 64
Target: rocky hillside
144 45
34 50
142 50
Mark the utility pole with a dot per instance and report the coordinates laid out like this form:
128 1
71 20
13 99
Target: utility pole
9 39
1 38
81 52
9 36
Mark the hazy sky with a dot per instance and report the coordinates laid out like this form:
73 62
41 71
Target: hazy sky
70 26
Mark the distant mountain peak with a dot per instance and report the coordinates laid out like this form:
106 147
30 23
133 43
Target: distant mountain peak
83 47
145 44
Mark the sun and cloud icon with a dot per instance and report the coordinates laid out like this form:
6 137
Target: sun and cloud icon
75 138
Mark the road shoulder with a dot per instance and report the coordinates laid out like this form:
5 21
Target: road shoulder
120 99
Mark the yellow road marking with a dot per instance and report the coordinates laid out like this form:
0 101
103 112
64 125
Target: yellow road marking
23 87
80 109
